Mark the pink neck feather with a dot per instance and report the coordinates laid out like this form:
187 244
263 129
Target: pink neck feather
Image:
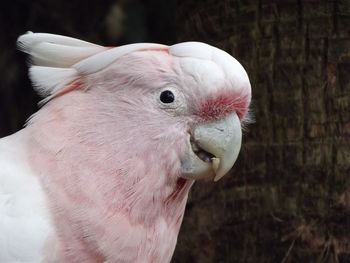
112 184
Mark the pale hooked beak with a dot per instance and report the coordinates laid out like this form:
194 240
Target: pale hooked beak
212 148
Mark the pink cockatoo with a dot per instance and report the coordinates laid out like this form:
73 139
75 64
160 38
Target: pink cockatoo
101 173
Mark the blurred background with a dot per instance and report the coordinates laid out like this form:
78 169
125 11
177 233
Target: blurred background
288 197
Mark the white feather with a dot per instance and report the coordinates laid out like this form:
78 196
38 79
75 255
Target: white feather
102 60
192 49
56 51
48 81
232 69
58 60
67 58
57 55
25 224
53 56
29 39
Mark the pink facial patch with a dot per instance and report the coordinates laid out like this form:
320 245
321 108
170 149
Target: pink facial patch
222 105
75 85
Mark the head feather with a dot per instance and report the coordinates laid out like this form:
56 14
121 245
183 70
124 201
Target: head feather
57 60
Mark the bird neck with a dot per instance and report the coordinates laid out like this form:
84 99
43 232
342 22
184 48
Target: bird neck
102 195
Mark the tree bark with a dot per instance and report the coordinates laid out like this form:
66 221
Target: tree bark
288 197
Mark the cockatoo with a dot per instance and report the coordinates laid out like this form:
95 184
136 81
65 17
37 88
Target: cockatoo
101 173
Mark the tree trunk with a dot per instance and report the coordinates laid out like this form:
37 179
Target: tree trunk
288 197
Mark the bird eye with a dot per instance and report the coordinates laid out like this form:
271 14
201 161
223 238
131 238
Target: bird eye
167 96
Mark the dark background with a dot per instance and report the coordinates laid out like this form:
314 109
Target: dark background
287 198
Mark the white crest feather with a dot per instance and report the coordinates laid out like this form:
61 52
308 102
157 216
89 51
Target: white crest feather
102 60
57 55
192 49
52 57
29 39
56 51
233 70
49 80
58 60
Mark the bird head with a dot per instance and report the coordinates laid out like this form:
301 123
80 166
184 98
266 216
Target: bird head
181 107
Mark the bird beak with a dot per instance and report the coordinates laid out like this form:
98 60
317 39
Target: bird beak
212 148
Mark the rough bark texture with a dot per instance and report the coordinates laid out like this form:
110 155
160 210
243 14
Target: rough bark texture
288 197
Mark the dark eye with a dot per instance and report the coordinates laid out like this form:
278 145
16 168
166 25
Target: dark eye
167 96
